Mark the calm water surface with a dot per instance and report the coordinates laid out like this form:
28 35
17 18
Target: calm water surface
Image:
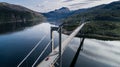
96 53
15 45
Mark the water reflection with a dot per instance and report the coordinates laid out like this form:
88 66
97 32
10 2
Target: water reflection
14 47
102 53
16 26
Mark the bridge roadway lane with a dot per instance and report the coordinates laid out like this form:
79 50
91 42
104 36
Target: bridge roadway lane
51 58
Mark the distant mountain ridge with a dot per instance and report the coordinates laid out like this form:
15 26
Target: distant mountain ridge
62 10
17 13
57 14
61 13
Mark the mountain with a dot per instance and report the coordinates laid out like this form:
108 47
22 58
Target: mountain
105 12
104 21
61 13
16 13
62 10
57 14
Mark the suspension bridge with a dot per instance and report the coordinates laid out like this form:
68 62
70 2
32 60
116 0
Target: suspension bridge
55 57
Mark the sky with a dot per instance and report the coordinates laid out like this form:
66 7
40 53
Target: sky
50 5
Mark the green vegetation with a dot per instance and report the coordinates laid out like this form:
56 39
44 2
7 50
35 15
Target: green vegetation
104 22
15 13
102 30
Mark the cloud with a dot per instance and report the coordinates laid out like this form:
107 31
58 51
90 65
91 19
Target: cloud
41 6
77 4
49 5
91 0
68 0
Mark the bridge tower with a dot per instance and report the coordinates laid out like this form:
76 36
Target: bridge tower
58 29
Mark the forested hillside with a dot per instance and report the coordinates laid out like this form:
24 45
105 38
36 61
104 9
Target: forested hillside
15 13
104 21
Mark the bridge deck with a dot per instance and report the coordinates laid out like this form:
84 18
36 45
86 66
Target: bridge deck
51 58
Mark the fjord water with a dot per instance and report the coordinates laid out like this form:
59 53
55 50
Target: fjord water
15 45
95 53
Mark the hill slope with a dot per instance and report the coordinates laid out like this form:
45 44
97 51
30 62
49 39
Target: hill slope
16 13
104 21
105 12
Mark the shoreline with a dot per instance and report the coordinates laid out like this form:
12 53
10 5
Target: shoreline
93 36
